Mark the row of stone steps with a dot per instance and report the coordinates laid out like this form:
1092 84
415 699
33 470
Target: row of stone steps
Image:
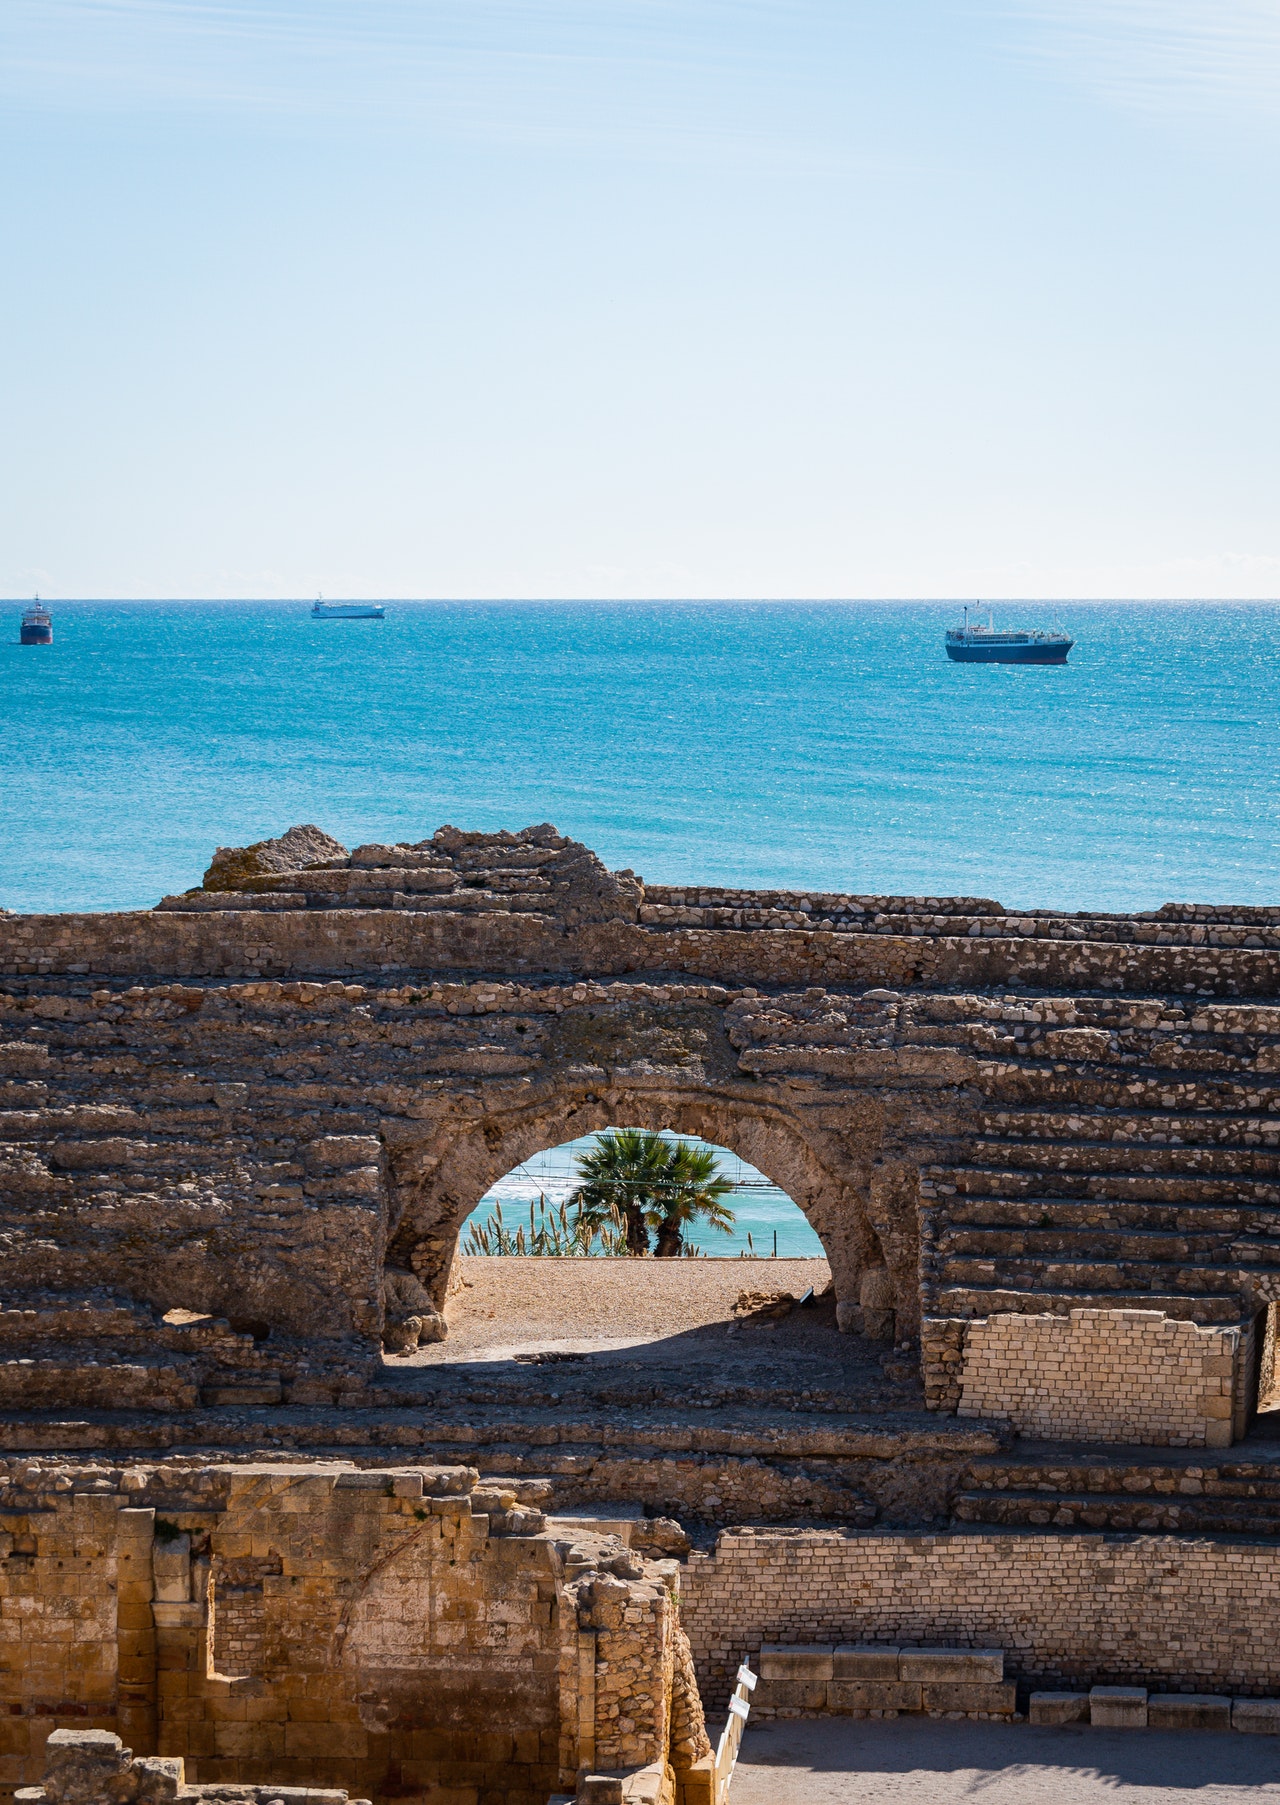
1130 1129
974 1301
1114 1199
1091 1159
1105 1189
1137 1490
1117 1512
1020 1271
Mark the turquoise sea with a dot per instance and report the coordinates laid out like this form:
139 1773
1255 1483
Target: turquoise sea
825 745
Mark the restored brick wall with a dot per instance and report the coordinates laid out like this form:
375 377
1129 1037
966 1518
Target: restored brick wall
1072 1608
1103 1376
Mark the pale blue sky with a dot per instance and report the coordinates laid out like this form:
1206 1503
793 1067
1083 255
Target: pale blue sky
639 297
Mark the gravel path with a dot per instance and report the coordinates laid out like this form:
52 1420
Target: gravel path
908 1761
512 1305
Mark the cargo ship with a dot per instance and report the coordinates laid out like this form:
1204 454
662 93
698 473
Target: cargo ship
37 625
322 610
979 643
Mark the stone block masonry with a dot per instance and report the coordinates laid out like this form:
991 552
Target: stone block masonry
366 1629
1134 1376
233 1127
876 1680
1150 1611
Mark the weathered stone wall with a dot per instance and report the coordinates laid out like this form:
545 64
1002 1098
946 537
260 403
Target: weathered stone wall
1103 1376
381 1634
208 1179
1066 1608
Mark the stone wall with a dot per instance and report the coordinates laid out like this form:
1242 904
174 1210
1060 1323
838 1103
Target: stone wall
1103 1376
1066 1608
229 1125
381 1633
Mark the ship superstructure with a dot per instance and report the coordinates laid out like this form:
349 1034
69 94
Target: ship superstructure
322 610
37 625
978 642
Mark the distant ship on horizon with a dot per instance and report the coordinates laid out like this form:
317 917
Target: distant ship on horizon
37 625
981 644
322 610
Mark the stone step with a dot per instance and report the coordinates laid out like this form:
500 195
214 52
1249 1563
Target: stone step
1029 1275
989 1300
1121 1208
1091 1243
1119 1511
1161 1476
56 1381
1043 1158
1113 1053
1136 1129
1125 1092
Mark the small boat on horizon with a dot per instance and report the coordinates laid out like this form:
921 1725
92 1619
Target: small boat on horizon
979 643
322 610
37 625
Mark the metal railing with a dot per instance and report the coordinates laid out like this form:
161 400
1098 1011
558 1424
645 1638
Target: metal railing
731 1735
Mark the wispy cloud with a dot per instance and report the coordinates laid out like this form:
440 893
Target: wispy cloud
1163 54
567 71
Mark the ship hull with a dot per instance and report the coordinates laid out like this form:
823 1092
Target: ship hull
36 636
1024 654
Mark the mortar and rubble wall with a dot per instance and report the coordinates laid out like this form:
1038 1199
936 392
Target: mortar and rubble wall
232 1122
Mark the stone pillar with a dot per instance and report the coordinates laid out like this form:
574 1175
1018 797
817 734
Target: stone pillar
182 1655
135 1631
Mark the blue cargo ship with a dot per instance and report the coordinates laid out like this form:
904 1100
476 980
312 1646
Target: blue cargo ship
981 644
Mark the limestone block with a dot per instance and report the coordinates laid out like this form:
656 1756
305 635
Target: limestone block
1256 1716
791 1695
1000 1697
1058 1707
874 1695
787 1661
865 1661
1118 1707
263 1391
952 1666
84 1766
696 1785
1188 1711
171 1563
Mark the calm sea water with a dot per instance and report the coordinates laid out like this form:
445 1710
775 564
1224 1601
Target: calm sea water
766 1221
828 746
783 743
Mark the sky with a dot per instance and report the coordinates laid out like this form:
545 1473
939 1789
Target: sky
639 298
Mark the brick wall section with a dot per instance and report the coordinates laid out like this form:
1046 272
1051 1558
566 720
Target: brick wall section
1135 1376
58 1633
1149 1610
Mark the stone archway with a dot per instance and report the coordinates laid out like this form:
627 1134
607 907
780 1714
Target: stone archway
437 1178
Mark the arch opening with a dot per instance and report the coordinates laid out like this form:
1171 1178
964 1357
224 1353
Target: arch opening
829 1175
533 1209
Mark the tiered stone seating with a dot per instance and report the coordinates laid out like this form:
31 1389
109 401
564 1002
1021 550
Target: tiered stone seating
1128 1159
1134 1490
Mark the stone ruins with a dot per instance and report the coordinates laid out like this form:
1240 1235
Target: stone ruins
242 1551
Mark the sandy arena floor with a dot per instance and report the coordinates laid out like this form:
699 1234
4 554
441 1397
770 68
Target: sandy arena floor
513 1306
908 1761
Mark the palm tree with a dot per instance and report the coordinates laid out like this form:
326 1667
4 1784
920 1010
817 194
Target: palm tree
692 1187
622 1178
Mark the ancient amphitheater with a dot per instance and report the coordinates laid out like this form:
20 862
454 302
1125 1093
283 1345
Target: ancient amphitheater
240 1134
